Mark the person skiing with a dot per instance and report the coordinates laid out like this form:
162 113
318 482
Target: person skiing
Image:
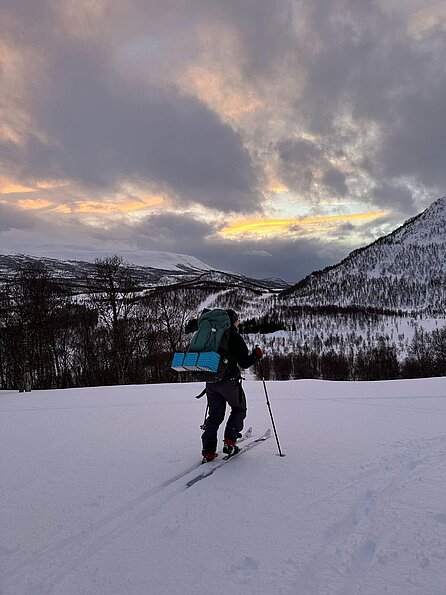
228 391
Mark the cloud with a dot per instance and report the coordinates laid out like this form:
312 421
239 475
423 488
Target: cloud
396 196
98 128
287 257
366 105
109 134
335 181
290 260
299 162
170 229
261 253
305 165
416 143
258 229
13 218
107 99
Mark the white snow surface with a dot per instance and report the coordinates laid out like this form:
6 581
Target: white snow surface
93 501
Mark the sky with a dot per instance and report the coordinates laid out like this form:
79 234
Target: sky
265 137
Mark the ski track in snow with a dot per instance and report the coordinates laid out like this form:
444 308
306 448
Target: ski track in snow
61 558
64 556
365 534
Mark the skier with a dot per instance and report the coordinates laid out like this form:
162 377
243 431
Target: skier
228 390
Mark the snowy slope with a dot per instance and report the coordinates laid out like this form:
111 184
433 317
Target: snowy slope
160 268
90 504
404 270
164 268
169 261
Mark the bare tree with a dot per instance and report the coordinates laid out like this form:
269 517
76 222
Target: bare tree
112 291
35 302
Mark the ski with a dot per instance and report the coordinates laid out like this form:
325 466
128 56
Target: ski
225 460
246 435
197 465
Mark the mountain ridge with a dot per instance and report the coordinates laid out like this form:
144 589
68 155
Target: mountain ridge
405 269
182 272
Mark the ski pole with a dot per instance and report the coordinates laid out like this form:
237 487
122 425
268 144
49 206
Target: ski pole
270 411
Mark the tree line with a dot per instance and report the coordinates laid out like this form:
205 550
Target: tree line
426 357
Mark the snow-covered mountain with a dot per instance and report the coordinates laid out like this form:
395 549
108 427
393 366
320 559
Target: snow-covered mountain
223 281
165 268
405 270
171 267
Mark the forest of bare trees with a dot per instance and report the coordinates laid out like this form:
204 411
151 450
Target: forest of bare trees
426 358
110 335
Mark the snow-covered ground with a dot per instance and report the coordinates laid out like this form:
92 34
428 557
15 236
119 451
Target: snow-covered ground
90 504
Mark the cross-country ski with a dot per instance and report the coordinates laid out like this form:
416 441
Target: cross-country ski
211 468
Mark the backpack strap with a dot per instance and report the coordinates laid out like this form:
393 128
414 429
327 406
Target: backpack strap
203 392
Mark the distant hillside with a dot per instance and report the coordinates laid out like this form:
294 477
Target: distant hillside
405 270
168 270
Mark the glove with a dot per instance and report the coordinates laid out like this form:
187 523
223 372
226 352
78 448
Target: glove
258 352
191 326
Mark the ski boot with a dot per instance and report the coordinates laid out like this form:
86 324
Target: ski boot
230 447
208 456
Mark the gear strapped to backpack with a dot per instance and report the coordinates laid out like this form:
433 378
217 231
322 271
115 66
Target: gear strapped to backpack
207 357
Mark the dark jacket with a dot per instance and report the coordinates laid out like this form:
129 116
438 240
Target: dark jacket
239 356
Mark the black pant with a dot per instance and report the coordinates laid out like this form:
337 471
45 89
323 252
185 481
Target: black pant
218 394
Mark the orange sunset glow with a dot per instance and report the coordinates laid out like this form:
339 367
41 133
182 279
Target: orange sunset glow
105 207
280 226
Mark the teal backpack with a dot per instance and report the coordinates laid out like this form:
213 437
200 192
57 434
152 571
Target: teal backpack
207 356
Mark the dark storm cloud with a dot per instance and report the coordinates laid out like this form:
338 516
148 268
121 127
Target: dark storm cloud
169 232
353 67
396 197
110 130
299 152
298 161
417 144
265 33
302 163
289 260
368 67
171 228
13 218
102 129
345 58
335 180
345 229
